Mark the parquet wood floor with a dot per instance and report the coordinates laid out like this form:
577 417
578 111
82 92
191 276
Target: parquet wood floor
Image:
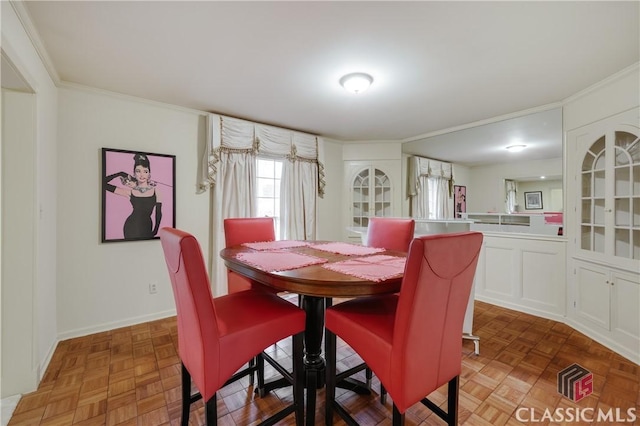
131 376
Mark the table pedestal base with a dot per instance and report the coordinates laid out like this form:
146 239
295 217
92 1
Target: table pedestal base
314 363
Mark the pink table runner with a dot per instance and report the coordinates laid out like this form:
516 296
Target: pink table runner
347 249
373 268
271 261
276 245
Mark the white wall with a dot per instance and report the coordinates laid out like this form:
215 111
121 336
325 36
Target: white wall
105 285
17 47
485 192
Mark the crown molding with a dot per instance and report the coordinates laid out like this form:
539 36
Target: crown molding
27 23
602 83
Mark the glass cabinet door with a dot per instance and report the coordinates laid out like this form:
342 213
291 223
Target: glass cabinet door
610 196
626 202
371 196
593 197
360 194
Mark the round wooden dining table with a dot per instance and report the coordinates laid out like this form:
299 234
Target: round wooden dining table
317 286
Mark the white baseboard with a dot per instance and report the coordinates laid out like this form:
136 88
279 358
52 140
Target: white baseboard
79 332
605 341
7 406
521 308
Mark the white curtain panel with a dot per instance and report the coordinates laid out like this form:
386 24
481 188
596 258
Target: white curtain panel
233 187
439 200
298 200
511 189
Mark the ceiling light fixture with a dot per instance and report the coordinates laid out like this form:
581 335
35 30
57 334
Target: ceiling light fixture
516 148
356 82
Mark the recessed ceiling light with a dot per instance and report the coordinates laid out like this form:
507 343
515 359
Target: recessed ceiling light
516 148
356 82
542 177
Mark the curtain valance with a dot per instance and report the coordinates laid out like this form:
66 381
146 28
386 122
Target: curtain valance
427 167
235 135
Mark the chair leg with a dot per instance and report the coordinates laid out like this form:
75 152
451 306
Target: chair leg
298 378
398 419
383 394
186 396
252 362
211 411
330 381
369 375
452 401
260 373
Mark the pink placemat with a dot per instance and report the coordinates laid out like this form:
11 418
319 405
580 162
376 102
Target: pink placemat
373 268
278 260
347 249
276 245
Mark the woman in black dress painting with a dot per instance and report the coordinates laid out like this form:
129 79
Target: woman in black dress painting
144 196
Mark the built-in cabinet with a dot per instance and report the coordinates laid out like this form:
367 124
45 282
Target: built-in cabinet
604 172
607 302
523 272
372 190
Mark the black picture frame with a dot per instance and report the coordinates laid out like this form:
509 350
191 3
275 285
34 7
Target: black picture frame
135 203
533 200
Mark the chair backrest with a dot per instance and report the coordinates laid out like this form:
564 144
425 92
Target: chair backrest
427 345
198 334
248 230
390 233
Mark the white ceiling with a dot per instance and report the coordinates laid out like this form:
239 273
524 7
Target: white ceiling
436 65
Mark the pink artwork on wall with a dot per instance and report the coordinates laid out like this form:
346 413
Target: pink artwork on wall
459 200
138 194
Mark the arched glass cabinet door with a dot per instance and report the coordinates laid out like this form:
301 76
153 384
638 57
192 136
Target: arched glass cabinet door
592 224
610 196
371 196
626 193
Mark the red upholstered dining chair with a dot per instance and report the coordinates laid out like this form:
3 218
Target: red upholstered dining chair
216 336
246 230
411 340
390 233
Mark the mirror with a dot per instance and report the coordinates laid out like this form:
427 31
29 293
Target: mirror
482 163
550 194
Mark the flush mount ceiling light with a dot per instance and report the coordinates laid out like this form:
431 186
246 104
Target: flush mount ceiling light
356 82
516 148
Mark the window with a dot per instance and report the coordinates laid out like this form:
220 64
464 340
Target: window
438 191
269 173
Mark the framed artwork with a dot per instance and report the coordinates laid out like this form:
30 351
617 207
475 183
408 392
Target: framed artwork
138 194
459 200
533 200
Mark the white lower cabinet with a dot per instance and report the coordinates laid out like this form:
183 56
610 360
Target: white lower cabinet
606 305
523 272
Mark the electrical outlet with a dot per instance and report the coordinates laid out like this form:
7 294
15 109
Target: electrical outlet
153 288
